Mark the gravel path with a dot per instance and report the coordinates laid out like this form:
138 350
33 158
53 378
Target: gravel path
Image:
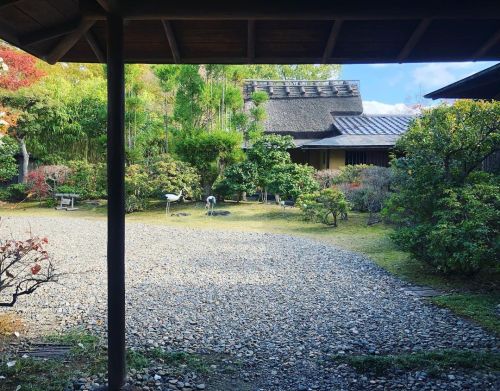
282 305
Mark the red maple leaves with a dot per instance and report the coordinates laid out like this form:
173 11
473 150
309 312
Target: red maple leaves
21 69
35 269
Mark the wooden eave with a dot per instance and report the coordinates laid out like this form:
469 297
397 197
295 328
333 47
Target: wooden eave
278 31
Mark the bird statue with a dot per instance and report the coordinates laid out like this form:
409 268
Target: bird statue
211 201
172 198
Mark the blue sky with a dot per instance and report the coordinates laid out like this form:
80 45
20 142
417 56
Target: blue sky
391 87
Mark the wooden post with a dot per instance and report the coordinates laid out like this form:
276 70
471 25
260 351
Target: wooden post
116 203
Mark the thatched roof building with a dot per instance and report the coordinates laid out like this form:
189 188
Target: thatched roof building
327 115
304 108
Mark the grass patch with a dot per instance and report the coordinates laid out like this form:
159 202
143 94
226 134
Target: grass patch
194 362
88 357
479 307
433 363
37 375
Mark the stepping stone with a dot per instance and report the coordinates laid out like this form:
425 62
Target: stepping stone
219 213
45 350
422 292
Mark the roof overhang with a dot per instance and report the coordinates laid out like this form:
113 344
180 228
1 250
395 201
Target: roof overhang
348 141
259 31
481 85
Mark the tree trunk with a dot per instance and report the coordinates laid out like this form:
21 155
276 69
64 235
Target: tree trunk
23 172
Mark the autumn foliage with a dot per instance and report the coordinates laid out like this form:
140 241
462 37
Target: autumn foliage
24 266
22 70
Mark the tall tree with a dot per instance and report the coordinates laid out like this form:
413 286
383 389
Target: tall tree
266 153
18 70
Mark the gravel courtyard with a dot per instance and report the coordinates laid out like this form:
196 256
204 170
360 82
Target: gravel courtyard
282 305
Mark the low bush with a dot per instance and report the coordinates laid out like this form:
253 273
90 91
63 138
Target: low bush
164 175
365 187
290 180
14 193
238 178
326 178
44 181
325 206
87 179
8 163
350 174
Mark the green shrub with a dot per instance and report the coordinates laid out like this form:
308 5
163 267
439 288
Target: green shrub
16 192
445 209
67 189
290 180
8 164
325 206
51 202
171 176
88 179
164 175
349 174
238 179
138 187
135 204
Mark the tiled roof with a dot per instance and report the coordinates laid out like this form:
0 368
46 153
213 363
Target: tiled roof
372 124
355 141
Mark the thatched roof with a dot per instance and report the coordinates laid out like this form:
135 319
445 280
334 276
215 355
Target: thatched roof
304 109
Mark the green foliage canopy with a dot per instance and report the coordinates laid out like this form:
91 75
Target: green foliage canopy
446 210
290 180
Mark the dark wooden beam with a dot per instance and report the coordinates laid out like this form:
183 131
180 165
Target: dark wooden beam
104 5
7 3
116 196
297 10
8 35
332 40
69 41
46 34
251 41
96 47
490 42
172 42
414 38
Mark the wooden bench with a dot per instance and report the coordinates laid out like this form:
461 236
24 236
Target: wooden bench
67 201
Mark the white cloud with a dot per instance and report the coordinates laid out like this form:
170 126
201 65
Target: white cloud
436 75
375 107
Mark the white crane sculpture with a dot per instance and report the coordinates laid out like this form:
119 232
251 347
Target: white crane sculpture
171 198
211 201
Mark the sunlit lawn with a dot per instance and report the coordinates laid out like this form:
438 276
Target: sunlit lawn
354 234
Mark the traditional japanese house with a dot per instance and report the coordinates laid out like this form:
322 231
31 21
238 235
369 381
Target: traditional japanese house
326 120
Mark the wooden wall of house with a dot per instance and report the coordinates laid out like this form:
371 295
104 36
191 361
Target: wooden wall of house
337 159
333 159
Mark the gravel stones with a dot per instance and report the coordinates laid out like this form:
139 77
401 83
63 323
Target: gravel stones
281 305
